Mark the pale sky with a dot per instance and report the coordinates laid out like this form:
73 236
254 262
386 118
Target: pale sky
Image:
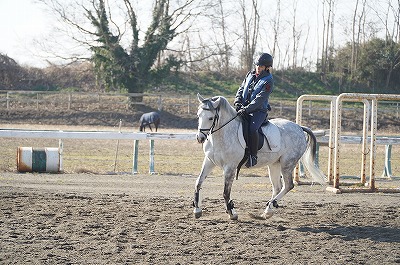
24 25
22 21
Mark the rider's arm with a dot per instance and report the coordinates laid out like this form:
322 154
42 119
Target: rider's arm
258 102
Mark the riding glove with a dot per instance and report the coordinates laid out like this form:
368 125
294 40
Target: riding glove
238 106
241 112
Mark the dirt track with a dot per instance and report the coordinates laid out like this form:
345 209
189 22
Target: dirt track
142 219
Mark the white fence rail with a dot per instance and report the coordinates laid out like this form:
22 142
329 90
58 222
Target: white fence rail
98 135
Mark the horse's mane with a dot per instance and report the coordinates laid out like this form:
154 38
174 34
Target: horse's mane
224 104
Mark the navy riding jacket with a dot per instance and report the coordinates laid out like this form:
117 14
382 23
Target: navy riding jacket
254 91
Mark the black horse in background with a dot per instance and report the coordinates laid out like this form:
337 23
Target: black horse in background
147 119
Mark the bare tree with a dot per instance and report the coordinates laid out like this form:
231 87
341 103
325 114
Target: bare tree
327 14
357 32
392 53
251 27
295 36
222 35
303 58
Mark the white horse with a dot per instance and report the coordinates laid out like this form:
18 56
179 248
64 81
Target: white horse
220 132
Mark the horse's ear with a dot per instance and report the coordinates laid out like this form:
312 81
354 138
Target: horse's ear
200 98
215 102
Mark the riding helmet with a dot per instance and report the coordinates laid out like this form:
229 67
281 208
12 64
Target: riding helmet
265 59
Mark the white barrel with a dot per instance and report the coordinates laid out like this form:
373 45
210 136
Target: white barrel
31 159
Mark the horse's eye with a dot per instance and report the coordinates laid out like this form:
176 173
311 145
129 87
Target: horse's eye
210 119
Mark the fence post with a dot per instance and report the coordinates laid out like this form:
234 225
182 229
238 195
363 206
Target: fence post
69 101
135 157
8 100
151 158
159 103
188 107
61 151
37 100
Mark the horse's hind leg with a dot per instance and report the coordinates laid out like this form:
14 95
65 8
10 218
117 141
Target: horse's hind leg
205 170
275 178
287 179
230 208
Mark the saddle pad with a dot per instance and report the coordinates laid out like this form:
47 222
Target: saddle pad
271 132
273 135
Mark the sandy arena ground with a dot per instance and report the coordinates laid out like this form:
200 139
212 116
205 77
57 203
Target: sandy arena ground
147 219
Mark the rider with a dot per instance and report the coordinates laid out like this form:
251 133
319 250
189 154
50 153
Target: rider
251 101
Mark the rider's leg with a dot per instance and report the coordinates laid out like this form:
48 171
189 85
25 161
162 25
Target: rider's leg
256 119
253 148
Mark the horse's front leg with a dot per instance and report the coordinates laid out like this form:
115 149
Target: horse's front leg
206 168
229 175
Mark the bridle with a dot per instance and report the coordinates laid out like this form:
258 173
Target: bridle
212 129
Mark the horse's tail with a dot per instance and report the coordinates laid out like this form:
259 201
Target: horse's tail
308 159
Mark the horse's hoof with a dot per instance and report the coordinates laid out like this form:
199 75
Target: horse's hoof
234 217
197 212
266 215
233 214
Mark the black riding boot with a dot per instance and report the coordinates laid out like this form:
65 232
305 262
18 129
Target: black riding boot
253 146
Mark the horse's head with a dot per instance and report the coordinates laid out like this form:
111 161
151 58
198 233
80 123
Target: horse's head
208 116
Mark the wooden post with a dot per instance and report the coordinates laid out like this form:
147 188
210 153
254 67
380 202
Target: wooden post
69 101
364 141
374 128
188 106
159 103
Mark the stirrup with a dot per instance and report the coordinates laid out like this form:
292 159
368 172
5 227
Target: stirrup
252 161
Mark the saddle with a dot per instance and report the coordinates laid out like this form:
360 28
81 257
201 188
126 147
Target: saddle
269 134
261 136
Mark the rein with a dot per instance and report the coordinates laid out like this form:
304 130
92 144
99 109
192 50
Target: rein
216 118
